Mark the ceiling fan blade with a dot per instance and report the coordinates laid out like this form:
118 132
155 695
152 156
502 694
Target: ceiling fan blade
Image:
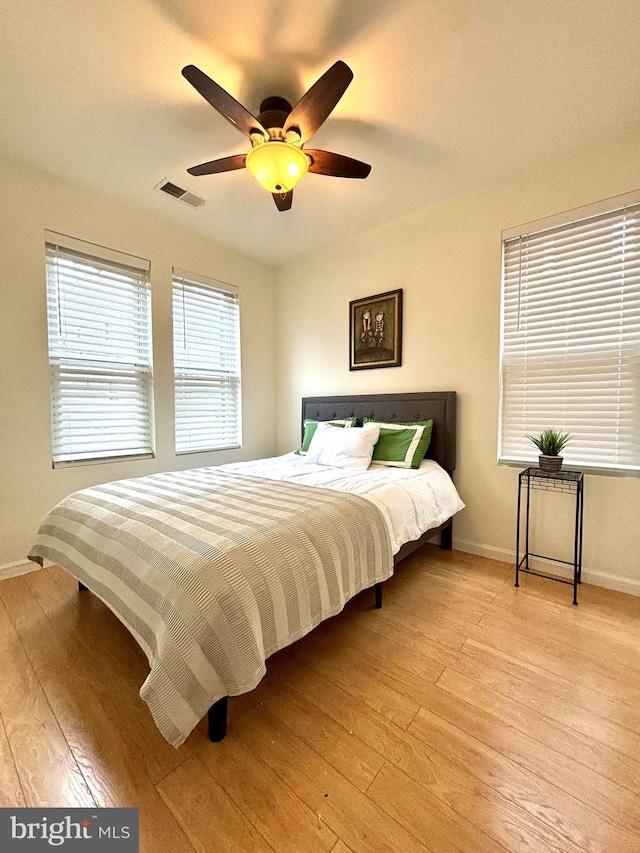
283 200
224 164
223 102
316 104
336 165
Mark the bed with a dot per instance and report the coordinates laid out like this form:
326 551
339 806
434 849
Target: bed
214 569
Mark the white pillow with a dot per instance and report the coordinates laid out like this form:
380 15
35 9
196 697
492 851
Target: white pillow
343 448
310 426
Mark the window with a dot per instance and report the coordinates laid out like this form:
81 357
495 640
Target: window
206 356
99 320
571 336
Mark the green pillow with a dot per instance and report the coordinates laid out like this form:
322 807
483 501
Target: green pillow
310 427
402 444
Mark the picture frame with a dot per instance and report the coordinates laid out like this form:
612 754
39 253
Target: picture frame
375 331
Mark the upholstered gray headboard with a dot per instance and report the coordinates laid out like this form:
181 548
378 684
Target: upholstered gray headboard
416 406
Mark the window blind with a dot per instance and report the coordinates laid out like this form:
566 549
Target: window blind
99 325
206 352
571 339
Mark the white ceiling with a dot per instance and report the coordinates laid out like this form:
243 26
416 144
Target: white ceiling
447 96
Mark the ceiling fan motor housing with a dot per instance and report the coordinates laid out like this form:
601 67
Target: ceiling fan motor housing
273 115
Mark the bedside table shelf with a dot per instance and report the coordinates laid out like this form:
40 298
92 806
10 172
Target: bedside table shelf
566 482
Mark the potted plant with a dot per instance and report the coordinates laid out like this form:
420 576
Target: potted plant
550 443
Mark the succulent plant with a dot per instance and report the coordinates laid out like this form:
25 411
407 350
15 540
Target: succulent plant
550 442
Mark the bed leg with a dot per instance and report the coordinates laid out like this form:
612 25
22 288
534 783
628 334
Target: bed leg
446 538
378 591
217 716
81 586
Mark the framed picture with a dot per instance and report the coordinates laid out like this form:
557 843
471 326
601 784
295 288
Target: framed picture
375 329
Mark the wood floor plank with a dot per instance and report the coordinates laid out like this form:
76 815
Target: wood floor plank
458 789
109 767
86 635
579 824
615 619
281 818
398 644
620 768
48 772
439 630
374 680
433 573
356 761
434 602
11 795
477 571
374 692
595 641
427 817
567 713
206 813
346 810
341 847
549 683
404 643
555 657
588 784
400 669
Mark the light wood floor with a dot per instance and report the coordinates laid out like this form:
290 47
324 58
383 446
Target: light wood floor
465 715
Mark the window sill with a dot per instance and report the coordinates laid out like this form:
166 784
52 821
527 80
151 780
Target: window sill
209 449
573 466
101 460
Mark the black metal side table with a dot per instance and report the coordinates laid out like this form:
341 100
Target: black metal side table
569 482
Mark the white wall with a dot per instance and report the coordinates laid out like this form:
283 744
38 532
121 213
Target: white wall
33 202
447 260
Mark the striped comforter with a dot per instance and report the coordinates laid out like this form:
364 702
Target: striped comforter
212 572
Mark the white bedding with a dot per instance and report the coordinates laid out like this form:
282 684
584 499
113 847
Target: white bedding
412 501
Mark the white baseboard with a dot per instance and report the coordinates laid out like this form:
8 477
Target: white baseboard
20 567
501 554
604 579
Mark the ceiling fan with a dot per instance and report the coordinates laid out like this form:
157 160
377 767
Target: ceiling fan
277 159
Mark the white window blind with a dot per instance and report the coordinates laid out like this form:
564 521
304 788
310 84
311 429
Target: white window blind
206 353
99 321
571 339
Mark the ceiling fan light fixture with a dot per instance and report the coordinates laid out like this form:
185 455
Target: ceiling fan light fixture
277 166
276 159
